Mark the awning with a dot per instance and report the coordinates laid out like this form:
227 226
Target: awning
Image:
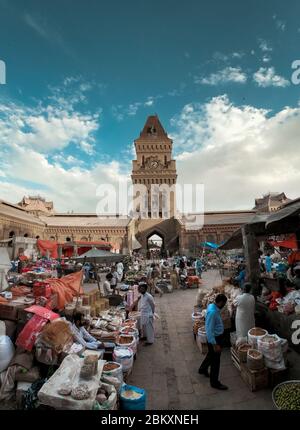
48 246
292 209
99 256
234 242
210 245
290 243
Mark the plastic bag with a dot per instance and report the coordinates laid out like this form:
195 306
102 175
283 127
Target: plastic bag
111 402
123 356
7 352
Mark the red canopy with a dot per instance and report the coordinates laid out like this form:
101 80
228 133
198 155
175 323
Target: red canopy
48 245
290 243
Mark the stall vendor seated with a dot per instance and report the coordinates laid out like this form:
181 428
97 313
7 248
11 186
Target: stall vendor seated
81 335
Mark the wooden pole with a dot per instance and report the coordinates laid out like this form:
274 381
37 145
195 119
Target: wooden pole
250 244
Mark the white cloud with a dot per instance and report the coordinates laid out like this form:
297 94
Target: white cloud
229 74
45 129
237 152
266 77
264 46
238 55
149 101
221 57
281 25
266 58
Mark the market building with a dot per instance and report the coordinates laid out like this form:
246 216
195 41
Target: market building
35 218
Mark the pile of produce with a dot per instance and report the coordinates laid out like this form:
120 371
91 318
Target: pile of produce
287 396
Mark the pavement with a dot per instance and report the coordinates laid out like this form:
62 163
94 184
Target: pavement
168 369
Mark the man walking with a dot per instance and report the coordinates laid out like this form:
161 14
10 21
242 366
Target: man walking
214 332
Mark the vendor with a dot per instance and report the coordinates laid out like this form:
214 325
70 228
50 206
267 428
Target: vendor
107 290
81 335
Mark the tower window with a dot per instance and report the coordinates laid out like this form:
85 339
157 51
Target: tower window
165 160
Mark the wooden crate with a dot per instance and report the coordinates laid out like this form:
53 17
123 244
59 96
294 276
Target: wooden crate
277 376
235 358
255 379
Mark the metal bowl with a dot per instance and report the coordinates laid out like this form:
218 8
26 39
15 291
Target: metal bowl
293 381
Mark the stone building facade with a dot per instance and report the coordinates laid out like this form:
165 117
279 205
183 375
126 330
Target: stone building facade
34 217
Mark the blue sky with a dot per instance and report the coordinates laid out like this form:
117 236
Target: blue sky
83 76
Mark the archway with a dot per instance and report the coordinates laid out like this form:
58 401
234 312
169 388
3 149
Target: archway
155 245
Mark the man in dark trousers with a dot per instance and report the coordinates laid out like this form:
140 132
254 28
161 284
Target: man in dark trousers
214 332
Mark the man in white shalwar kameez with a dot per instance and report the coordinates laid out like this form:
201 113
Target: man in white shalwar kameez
146 307
245 309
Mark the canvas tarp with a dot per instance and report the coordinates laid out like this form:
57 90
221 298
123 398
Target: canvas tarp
66 287
48 246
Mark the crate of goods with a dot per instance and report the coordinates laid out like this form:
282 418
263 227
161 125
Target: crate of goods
277 376
254 379
242 352
235 358
9 311
255 360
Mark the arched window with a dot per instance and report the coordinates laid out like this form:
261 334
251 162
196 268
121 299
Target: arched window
12 234
84 239
52 238
68 239
211 238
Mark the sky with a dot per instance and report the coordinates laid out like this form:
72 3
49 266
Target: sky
82 77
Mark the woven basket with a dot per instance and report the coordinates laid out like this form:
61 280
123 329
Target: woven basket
255 362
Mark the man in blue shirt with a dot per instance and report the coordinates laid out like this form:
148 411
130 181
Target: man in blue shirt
214 332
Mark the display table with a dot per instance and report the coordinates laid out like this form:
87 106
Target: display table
70 368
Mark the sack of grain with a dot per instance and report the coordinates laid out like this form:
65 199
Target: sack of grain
271 348
254 334
255 359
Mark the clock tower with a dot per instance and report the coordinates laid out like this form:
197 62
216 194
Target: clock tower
154 167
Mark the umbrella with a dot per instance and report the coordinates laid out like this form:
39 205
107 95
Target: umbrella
100 256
